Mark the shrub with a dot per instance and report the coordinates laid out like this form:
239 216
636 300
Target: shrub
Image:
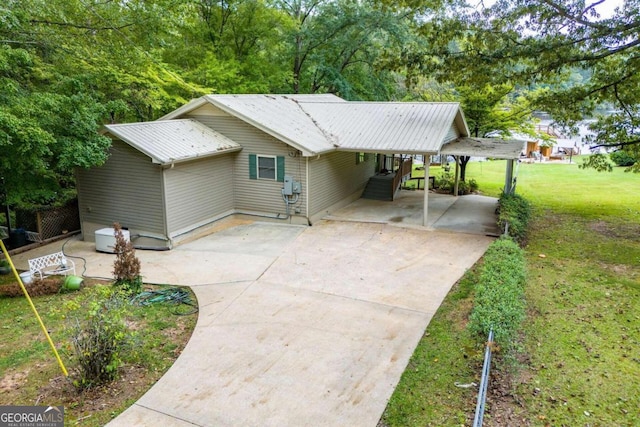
126 267
100 337
622 158
515 211
499 299
445 183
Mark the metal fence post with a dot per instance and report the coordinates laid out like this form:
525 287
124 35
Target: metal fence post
484 382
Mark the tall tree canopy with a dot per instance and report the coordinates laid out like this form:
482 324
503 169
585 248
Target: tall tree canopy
545 43
69 66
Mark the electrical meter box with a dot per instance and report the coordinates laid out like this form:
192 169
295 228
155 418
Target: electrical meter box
291 187
288 185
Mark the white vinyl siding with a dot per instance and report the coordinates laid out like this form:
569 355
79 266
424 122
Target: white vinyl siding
257 195
197 192
452 134
335 177
126 189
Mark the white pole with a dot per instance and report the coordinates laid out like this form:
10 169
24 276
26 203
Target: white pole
425 210
455 186
508 177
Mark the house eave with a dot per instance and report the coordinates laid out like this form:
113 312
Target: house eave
170 162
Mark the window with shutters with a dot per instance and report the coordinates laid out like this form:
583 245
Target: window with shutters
266 167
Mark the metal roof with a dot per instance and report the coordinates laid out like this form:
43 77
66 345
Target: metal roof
173 141
280 116
485 147
316 124
387 127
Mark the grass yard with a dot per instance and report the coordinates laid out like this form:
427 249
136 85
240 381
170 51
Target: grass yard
580 358
30 375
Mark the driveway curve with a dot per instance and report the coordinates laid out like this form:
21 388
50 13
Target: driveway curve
300 326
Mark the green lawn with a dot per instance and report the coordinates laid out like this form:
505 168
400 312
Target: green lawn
580 359
30 375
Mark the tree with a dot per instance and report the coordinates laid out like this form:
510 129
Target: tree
343 47
545 42
66 68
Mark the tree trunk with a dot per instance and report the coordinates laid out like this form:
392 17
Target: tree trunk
463 166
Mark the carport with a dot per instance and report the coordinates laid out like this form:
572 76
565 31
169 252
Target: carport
494 148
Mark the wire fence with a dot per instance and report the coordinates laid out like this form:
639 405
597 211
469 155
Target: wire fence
484 382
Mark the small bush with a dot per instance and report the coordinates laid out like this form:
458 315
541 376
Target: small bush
445 183
499 299
622 158
126 267
514 210
100 336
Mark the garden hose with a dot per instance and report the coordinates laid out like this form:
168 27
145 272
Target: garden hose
176 296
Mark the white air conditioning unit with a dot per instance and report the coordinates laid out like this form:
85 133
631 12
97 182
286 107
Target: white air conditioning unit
106 239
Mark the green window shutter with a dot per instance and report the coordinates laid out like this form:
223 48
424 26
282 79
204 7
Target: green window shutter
280 168
253 166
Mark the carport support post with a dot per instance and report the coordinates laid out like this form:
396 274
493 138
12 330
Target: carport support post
455 185
508 180
425 209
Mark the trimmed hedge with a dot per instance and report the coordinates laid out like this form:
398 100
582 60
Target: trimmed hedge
499 299
516 211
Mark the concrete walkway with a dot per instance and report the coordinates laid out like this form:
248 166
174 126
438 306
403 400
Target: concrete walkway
297 325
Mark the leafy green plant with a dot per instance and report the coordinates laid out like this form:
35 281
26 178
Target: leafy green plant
126 267
445 183
499 299
514 213
100 336
622 158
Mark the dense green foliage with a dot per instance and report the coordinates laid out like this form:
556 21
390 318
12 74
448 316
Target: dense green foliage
69 66
499 302
622 158
514 213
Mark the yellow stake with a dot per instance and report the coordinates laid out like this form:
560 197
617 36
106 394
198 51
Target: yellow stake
33 307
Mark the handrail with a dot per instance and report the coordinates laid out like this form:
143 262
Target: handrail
484 382
403 170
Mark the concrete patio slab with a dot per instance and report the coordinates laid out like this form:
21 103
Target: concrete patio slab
472 213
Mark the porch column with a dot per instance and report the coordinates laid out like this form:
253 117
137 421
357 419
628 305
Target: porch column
425 209
508 179
455 180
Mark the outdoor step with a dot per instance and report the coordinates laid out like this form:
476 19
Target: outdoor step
378 188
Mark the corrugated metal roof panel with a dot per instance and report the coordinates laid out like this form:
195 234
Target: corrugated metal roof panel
385 127
316 124
171 141
280 116
485 147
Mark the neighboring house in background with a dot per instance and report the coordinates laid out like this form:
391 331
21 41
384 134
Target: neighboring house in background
229 154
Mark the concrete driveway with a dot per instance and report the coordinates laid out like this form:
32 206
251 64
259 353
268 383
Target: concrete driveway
297 325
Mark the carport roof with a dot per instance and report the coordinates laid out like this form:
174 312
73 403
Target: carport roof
316 124
484 147
173 141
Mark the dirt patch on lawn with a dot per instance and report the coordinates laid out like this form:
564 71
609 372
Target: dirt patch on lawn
617 231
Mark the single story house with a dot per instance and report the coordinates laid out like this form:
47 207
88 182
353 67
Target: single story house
294 158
